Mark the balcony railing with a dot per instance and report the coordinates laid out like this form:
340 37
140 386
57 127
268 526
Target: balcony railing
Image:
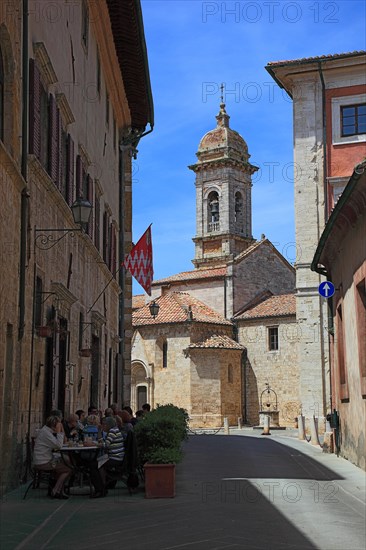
214 226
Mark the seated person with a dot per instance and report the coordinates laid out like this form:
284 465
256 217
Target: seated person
113 443
133 420
127 421
92 428
70 425
81 418
109 412
114 446
49 438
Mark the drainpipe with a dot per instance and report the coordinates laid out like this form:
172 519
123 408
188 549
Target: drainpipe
121 276
325 170
127 144
25 193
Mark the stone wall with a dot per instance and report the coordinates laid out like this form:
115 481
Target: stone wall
196 379
73 272
263 269
280 369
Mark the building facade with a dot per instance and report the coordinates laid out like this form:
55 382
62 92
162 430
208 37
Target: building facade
71 88
328 95
341 257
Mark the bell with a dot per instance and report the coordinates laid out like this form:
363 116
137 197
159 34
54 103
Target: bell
214 207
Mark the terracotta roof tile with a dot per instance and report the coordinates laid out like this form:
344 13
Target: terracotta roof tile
219 342
195 274
316 58
276 306
178 307
138 301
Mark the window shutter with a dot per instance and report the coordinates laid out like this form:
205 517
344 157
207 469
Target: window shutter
97 223
112 265
53 142
59 150
34 110
90 199
105 237
70 180
79 176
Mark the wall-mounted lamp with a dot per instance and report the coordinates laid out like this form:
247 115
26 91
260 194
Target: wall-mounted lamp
81 210
154 309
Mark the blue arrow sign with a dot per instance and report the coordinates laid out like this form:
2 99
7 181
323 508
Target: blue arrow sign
326 289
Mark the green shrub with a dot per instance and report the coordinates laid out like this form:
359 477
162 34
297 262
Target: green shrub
160 434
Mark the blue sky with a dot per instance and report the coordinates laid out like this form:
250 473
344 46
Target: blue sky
193 47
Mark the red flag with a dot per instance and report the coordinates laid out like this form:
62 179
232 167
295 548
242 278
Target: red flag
139 262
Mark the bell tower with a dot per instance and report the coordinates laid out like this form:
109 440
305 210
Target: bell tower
223 195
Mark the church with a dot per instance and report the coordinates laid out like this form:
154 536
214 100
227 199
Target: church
224 343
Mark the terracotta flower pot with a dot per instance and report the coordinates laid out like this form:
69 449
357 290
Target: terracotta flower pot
159 480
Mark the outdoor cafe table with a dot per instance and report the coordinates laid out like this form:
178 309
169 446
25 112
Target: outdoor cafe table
80 458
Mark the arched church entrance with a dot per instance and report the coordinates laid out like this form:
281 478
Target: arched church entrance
141 385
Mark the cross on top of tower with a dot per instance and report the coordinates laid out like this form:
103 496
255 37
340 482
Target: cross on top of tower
222 118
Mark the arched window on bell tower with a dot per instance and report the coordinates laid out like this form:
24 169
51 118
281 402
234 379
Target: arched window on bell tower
239 213
213 212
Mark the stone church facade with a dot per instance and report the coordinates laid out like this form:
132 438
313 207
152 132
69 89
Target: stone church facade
198 355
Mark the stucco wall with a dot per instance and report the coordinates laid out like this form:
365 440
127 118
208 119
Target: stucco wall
352 411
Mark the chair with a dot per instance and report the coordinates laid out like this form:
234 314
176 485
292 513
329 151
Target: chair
41 476
126 472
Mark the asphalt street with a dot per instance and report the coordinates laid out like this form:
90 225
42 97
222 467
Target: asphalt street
242 491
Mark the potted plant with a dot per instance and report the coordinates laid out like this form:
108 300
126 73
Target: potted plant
159 437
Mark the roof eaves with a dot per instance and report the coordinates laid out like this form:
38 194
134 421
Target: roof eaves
358 171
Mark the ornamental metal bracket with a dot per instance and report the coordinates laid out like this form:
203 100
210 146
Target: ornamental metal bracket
47 240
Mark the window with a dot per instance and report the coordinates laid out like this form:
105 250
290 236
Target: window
44 113
99 73
213 212
273 338
353 120
2 85
165 355
348 119
360 302
81 330
97 222
340 350
84 23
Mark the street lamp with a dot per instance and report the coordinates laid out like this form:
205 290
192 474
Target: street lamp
81 210
154 309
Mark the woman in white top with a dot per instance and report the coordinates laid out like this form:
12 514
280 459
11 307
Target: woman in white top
50 438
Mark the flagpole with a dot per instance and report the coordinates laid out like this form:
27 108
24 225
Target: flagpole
104 289
115 273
